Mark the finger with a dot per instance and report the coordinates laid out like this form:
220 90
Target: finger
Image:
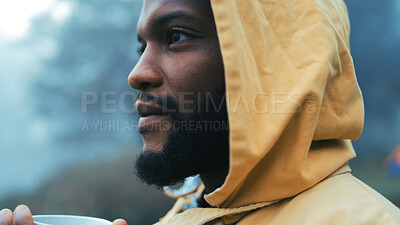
22 216
119 222
6 217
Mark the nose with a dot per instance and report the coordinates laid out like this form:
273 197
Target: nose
145 75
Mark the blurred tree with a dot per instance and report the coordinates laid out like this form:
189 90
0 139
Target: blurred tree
92 50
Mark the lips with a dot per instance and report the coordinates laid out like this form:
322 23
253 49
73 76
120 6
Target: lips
147 109
152 116
153 123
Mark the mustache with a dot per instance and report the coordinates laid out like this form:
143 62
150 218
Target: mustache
166 102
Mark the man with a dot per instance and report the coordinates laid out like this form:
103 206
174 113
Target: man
284 75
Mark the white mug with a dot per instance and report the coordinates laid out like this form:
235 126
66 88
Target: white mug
68 220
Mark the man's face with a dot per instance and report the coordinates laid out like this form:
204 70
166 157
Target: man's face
181 78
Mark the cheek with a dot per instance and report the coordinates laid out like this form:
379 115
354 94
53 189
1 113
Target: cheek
195 72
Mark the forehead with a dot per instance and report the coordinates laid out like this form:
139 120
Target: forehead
153 9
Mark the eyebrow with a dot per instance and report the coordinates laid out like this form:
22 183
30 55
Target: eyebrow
170 16
159 21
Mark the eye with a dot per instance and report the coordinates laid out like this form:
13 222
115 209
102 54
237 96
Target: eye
177 36
140 49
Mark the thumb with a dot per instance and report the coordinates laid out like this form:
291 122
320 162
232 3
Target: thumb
119 222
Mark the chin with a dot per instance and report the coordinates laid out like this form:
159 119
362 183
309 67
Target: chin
152 148
154 141
155 131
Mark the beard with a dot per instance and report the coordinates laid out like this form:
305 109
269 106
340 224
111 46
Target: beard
195 145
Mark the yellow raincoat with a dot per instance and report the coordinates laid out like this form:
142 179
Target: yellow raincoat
294 105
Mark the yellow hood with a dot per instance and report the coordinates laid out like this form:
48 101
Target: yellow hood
291 89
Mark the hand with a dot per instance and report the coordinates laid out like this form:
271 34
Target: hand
22 216
116 222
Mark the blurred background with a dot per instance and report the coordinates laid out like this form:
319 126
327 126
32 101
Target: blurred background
68 137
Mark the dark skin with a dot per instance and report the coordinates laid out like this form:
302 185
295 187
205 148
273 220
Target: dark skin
180 53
